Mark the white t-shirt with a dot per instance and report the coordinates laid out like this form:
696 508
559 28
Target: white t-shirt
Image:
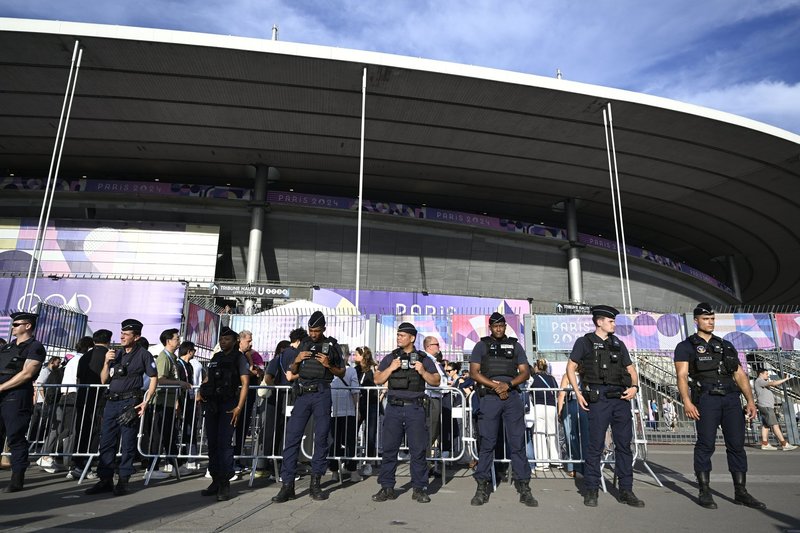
70 375
430 390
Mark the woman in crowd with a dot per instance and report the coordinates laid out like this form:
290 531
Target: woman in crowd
545 428
576 426
368 404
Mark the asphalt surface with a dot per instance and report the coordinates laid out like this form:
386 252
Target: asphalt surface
51 503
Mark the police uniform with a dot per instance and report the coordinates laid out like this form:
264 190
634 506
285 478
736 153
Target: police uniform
712 366
499 360
313 398
16 404
604 379
125 373
405 415
220 394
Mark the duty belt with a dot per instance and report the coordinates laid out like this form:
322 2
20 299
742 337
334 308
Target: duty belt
400 402
119 396
717 388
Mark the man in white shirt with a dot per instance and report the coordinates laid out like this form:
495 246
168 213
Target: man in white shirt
431 346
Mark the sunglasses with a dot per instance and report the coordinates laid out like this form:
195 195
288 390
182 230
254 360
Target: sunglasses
18 324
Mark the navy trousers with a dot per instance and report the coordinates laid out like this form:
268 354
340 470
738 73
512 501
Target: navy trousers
616 413
111 434
727 412
318 405
512 413
16 408
219 433
411 421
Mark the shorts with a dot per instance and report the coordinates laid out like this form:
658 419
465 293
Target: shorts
768 418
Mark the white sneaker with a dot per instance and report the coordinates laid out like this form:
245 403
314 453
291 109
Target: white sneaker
167 467
182 470
234 477
74 474
768 447
191 465
208 474
788 447
158 474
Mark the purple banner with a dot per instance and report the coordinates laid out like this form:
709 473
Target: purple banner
157 304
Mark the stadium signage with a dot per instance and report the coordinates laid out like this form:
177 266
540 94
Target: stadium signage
572 309
254 291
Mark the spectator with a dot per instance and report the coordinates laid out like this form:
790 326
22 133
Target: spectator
368 403
576 426
668 410
765 401
344 424
431 346
256 365
42 411
545 416
192 417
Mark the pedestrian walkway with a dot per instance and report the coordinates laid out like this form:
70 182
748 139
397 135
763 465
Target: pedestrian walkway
52 503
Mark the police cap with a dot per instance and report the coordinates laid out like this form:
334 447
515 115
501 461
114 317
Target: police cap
131 324
227 332
496 318
317 320
24 315
703 308
407 327
605 311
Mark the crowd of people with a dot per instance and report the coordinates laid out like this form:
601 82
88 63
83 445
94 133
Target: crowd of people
244 413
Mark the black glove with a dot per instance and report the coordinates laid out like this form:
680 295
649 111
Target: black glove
128 416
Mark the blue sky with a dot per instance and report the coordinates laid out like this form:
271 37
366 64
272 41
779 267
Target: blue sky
740 56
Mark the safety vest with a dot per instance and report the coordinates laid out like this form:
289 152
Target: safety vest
311 369
715 361
11 361
223 376
603 365
406 377
499 358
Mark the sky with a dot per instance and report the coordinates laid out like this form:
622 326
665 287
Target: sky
739 56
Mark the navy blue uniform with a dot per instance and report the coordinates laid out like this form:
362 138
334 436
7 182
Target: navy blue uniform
405 416
493 411
124 391
16 405
715 410
314 399
615 412
219 430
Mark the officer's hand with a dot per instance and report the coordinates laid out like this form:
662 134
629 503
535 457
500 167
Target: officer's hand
110 356
629 393
419 367
395 364
501 387
751 410
234 415
323 360
691 410
582 401
302 356
141 408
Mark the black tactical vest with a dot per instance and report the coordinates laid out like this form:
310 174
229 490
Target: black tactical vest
716 361
11 361
223 376
499 358
603 365
311 369
406 377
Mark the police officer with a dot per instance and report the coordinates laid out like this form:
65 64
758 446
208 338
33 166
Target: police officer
123 372
498 365
717 381
223 395
609 382
407 370
311 366
20 362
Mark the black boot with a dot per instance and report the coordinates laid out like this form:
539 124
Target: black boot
386 493
316 491
419 495
212 489
590 498
741 496
122 486
285 494
224 492
705 499
525 496
17 481
628 497
104 485
482 493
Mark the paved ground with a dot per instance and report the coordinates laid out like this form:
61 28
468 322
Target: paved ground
52 503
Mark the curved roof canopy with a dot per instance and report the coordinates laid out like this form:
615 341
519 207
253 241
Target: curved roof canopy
696 184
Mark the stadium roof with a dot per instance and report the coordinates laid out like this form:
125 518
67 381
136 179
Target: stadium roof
696 183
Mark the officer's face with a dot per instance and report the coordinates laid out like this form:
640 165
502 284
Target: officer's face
498 330
607 325
128 338
404 340
705 323
226 343
316 333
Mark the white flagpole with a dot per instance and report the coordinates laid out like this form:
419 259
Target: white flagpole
619 206
360 189
614 208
